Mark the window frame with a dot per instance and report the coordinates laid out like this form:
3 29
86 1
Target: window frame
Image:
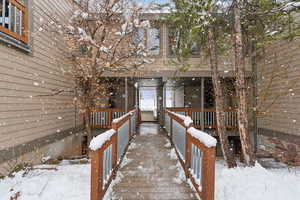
170 55
159 27
24 28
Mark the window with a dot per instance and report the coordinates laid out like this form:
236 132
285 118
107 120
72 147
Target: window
174 43
151 38
14 19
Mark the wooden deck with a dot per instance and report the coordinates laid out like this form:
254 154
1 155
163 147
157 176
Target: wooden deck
150 172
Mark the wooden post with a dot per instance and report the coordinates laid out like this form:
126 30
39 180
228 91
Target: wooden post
208 175
110 117
129 125
115 147
115 150
188 147
171 129
96 175
189 112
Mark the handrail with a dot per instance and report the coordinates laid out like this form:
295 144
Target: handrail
206 118
103 117
107 152
196 152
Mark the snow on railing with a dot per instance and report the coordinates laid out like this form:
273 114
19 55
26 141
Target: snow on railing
196 152
97 142
203 137
108 150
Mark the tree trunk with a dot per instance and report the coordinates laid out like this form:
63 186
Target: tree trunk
241 89
219 100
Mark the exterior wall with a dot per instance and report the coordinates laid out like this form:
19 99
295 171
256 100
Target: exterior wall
192 96
69 146
179 96
26 112
279 96
164 67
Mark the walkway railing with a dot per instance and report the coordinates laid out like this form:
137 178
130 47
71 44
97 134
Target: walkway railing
196 152
206 119
107 151
103 117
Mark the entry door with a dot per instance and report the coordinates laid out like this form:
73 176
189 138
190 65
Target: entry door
148 103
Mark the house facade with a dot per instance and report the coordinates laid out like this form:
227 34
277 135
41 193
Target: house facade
34 122
38 117
278 94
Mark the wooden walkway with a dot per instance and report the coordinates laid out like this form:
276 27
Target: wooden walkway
149 172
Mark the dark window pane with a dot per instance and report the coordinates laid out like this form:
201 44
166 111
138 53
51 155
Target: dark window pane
1 12
6 18
153 41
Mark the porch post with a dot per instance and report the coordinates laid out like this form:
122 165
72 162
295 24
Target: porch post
202 102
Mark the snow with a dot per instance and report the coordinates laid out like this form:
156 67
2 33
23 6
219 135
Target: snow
203 137
180 175
66 182
98 141
257 183
72 182
167 145
110 193
291 5
122 117
186 119
173 154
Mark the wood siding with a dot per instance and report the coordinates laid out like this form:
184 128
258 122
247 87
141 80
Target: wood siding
24 114
279 84
162 64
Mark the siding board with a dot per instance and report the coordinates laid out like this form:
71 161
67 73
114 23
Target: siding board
24 116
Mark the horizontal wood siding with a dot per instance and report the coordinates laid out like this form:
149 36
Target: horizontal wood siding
279 75
25 115
199 66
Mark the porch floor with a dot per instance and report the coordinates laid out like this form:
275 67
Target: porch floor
150 172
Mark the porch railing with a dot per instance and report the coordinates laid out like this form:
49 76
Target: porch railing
103 117
196 152
206 118
107 151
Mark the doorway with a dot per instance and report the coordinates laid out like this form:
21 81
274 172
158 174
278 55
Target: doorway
148 103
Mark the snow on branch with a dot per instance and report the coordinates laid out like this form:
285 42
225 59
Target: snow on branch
290 6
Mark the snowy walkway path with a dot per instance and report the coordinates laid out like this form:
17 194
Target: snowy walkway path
150 171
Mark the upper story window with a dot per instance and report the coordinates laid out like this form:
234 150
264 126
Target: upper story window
174 43
14 19
150 37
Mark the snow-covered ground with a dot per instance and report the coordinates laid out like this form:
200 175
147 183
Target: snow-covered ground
72 182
